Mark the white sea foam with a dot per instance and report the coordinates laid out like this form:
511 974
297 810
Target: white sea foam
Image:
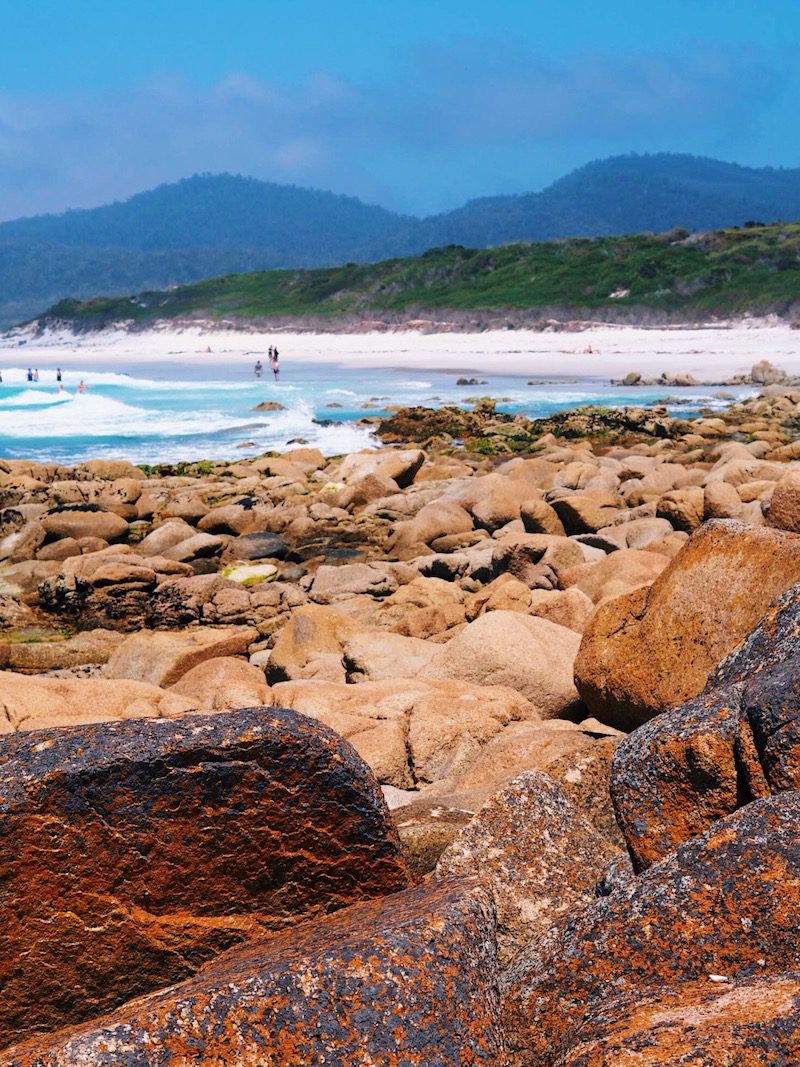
30 398
96 417
92 415
19 376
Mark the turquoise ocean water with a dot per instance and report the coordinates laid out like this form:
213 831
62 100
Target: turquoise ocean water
167 412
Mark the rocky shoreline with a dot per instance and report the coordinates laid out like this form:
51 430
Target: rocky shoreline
475 748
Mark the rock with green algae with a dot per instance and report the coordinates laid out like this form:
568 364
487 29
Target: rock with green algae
248 574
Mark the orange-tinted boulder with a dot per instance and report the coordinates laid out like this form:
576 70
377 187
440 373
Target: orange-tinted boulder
725 904
133 852
784 508
410 980
653 649
744 1023
677 774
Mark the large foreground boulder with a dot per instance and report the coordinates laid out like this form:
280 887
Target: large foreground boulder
529 654
724 906
655 648
408 980
131 853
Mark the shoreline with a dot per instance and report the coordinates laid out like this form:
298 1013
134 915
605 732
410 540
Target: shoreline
599 352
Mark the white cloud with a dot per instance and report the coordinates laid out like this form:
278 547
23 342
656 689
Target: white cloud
491 102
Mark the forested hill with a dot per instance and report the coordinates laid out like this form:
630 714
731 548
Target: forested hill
627 194
216 224
223 212
675 276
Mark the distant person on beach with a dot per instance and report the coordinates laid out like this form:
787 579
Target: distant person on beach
258 370
58 374
81 386
273 363
30 375
36 375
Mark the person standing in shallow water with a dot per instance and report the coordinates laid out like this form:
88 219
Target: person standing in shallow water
258 369
273 363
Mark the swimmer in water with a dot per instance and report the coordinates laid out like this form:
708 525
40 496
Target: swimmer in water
81 386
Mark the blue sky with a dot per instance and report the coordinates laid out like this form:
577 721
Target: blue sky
415 105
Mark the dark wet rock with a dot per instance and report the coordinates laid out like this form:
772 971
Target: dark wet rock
133 852
408 980
257 546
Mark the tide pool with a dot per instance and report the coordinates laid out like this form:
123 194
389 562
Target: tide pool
151 413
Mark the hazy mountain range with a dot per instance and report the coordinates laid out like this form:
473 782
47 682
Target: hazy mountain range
217 224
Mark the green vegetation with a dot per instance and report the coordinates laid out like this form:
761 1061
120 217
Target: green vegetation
182 469
752 269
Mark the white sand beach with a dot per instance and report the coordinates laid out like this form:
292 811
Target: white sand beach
711 353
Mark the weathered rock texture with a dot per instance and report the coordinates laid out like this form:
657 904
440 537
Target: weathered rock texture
539 853
746 1023
654 649
410 980
726 904
132 852
674 776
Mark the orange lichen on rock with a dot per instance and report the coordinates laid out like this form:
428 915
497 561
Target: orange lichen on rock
677 774
749 1022
407 981
133 852
726 904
